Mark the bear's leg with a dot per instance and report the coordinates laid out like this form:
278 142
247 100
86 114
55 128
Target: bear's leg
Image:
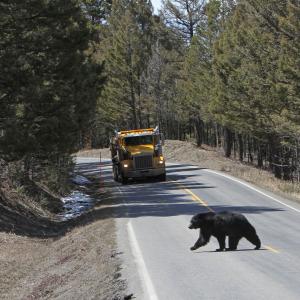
203 240
233 242
254 239
221 240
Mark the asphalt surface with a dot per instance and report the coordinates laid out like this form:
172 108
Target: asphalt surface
154 239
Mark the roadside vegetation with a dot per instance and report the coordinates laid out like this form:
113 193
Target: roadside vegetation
49 86
50 82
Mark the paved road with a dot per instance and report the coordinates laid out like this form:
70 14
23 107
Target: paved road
154 239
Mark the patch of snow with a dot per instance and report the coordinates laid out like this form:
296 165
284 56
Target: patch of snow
80 180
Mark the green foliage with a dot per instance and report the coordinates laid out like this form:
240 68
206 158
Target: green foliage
288 80
163 74
183 16
196 84
98 11
245 70
48 86
127 52
197 80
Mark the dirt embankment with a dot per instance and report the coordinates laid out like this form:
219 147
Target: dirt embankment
207 157
83 264
42 257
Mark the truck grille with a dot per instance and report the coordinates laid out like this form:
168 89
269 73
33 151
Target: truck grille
143 162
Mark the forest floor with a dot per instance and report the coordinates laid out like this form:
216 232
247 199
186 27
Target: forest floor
41 258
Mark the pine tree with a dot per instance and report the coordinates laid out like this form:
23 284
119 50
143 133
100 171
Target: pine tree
244 64
47 81
127 55
162 74
98 11
288 82
197 82
183 16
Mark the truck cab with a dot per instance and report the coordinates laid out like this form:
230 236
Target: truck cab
137 154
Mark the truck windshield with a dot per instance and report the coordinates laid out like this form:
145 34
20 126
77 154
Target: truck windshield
138 140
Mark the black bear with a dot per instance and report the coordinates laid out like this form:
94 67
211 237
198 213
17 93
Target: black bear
220 225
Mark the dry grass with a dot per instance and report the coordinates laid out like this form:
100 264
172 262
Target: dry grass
44 258
81 265
207 157
105 153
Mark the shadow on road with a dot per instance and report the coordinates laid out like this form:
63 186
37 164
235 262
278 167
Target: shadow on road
163 199
237 250
137 199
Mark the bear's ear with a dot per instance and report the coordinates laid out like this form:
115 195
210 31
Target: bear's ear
207 215
199 217
194 220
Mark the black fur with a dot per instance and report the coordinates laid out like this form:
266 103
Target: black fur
220 225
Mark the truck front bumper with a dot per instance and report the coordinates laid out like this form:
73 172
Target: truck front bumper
144 173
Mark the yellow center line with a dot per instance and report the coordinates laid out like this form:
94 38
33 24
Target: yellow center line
271 249
194 196
198 199
203 203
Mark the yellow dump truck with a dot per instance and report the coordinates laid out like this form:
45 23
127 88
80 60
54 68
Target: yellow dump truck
137 154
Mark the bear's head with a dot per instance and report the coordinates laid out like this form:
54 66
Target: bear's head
201 220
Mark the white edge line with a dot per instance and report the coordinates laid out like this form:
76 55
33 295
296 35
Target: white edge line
253 188
141 264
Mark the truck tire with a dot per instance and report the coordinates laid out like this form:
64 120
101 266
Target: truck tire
115 173
124 179
162 177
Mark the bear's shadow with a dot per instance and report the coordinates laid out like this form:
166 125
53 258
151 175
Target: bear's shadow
237 250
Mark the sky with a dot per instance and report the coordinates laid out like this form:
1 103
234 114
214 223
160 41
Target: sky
156 4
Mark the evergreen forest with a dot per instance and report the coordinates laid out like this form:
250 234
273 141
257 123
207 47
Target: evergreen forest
225 73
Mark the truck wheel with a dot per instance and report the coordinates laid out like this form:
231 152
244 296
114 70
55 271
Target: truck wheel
124 179
162 177
115 173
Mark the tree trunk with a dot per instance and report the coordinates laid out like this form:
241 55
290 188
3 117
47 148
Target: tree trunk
199 131
274 156
259 157
27 167
241 147
287 168
132 91
227 142
217 136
